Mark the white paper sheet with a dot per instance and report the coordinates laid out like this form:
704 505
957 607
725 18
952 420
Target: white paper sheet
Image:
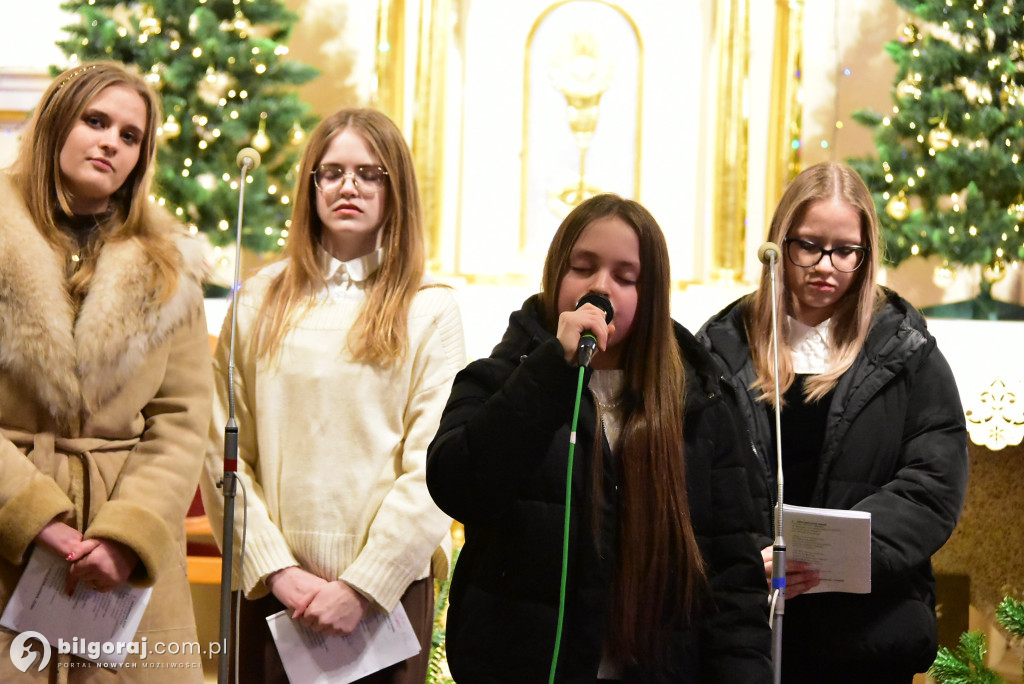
314 658
836 543
89 623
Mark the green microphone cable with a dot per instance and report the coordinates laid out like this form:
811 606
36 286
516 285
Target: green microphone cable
565 532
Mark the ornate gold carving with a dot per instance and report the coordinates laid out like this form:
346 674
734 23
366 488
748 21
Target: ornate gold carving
428 134
784 118
630 28
582 74
730 206
997 419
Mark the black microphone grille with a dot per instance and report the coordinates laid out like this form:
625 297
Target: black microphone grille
601 302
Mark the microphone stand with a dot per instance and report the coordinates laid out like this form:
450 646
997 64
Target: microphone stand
768 253
248 159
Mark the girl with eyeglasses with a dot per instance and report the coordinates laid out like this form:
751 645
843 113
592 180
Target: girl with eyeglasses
871 420
345 355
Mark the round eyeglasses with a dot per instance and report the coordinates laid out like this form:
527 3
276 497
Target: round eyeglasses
367 179
806 254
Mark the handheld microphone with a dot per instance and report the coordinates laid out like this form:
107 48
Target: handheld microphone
768 250
248 159
588 343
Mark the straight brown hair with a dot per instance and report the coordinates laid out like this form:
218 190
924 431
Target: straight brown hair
661 572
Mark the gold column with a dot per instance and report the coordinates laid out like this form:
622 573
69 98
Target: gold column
428 134
730 166
784 120
389 91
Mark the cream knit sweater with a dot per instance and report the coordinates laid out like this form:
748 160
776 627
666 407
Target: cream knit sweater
332 453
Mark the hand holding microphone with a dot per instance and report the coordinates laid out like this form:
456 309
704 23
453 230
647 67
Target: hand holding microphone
586 330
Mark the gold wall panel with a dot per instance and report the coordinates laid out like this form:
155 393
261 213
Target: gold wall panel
728 240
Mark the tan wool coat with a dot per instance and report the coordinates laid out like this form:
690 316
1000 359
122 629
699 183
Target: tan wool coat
103 419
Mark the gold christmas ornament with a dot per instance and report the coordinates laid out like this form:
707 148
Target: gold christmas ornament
995 271
940 137
213 86
907 88
261 141
898 207
171 128
298 135
909 33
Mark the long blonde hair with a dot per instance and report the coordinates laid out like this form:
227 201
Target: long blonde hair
36 173
379 335
852 318
660 570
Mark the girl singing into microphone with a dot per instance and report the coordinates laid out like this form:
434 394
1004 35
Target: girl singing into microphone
664 579
871 420
345 355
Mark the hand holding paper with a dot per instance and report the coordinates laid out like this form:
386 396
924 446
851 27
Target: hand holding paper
835 543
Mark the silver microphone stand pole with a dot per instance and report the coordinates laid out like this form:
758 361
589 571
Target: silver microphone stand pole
248 159
768 253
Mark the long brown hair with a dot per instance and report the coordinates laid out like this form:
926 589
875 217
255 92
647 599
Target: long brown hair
661 572
38 178
852 317
379 334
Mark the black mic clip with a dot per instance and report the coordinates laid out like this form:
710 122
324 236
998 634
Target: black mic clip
588 343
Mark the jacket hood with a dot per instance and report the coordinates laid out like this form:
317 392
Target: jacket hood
525 332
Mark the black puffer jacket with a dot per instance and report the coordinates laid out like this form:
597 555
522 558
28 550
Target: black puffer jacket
498 464
896 446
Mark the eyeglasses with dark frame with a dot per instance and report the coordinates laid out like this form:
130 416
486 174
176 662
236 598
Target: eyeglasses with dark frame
807 254
366 179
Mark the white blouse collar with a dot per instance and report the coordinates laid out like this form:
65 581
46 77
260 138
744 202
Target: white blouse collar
809 346
356 270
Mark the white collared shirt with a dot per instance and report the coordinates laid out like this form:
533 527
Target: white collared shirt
347 278
809 346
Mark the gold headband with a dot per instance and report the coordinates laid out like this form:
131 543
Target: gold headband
76 73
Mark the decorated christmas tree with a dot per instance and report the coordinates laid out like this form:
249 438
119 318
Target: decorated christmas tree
219 69
949 176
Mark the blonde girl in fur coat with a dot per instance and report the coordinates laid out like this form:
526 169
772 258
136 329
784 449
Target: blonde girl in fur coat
345 356
105 379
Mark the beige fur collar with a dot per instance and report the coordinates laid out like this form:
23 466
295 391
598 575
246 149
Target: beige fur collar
74 367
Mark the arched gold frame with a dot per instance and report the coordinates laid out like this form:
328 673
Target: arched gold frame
526 105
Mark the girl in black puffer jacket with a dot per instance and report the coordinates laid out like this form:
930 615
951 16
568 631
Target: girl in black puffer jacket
664 580
871 421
